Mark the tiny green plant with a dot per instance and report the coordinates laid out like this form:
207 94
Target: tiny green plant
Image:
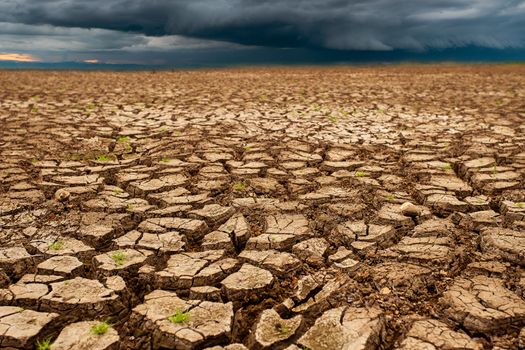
118 190
391 197
103 158
56 245
123 139
239 186
360 174
448 167
520 204
100 328
165 160
44 344
495 169
247 148
119 258
283 330
179 317
333 118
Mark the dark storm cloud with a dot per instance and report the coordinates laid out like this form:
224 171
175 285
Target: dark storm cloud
335 24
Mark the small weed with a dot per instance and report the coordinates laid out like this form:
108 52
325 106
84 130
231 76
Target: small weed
103 158
180 317
247 148
165 160
520 204
239 186
283 330
391 197
56 245
123 139
448 167
495 169
129 206
360 174
34 161
100 328
333 118
118 190
119 258
44 344
90 106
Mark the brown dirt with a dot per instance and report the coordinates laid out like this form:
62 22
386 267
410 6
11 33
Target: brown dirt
347 146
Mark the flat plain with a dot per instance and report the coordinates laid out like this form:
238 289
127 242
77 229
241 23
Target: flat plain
263 208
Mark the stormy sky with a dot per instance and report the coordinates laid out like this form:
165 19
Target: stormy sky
171 31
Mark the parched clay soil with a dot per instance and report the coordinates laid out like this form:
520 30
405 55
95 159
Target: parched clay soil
272 208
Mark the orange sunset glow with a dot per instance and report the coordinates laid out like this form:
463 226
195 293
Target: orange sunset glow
20 57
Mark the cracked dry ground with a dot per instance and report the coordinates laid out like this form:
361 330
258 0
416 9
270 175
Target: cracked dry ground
341 208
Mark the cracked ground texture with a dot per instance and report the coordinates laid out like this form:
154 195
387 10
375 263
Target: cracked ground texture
269 208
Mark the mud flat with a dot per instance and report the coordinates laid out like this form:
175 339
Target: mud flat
272 208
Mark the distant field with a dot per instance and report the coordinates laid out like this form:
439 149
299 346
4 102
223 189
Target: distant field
372 207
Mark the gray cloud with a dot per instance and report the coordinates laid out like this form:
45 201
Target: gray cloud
335 24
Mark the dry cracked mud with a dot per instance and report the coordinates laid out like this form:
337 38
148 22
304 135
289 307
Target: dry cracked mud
269 208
